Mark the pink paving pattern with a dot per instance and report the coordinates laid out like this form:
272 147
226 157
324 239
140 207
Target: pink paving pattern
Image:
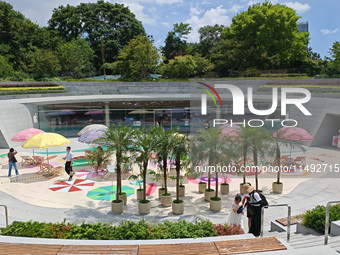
204 178
89 173
71 186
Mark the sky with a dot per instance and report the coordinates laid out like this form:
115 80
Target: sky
158 16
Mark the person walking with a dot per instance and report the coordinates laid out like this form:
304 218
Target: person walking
255 206
69 161
12 161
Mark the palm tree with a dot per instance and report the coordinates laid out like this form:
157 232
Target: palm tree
144 146
259 143
280 142
163 140
98 157
120 141
180 149
243 146
210 143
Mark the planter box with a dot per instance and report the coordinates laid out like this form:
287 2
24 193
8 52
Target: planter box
181 191
160 192
335 228
140 194
302 229
215 205
277 188
166 200
124 198
177 208
224 189
202 187
144 208
117 207
208 195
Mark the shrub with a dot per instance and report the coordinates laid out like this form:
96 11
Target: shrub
315 218
225 230
127 230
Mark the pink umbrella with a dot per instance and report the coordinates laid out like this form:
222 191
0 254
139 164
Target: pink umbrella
94 112
23 135
230 131
294 134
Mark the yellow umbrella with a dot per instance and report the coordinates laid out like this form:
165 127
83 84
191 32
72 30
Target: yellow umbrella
45 140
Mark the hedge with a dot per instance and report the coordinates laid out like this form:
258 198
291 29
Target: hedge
126 230
29 84
315 218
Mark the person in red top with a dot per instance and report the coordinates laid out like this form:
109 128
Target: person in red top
12 161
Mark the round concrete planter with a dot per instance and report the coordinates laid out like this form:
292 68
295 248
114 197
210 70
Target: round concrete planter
201 187
123 196
224 189
144 208
117 207
178 208
208 194
140 193
166 199
181 191
216 205
160 192
277 187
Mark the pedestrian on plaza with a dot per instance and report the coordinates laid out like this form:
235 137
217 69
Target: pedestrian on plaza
69 162
12 161
255 205
236 214
245 203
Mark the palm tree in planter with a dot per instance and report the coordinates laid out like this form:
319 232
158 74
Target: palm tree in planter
119 140
259 143
144 147
230 153
243 146
163 140
196 159
211 144
98 157
180 148
278 143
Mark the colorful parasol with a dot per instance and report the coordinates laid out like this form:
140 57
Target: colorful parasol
25 134
107 193
45 140
91 135
71 186
93 126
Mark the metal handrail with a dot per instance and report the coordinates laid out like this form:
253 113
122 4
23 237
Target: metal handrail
327 219
289 218
6 214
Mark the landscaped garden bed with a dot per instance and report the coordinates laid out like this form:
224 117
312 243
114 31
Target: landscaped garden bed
126 230
30 88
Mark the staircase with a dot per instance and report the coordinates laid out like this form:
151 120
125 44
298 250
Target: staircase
299 241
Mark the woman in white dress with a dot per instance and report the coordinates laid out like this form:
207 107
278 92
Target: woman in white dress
236 214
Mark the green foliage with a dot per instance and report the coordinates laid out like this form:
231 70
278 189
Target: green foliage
127 230
76 57
181 67
138 59
112 24
6 69
44 63
334 60
315 218
225 230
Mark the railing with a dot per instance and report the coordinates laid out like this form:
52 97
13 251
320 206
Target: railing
6 214
327 219
288 222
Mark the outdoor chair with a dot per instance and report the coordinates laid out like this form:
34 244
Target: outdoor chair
50 171
27 161
38 160
300 162
284 160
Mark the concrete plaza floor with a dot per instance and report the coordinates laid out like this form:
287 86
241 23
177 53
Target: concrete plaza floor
28 196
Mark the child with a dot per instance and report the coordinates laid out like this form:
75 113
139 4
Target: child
236 214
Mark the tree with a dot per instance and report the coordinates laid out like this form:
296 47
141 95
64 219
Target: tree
180 149
44 63
210 37
175 42
181 67
268 36
138 59
144 146
6 70
334 59
120 141
76 57
114 22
